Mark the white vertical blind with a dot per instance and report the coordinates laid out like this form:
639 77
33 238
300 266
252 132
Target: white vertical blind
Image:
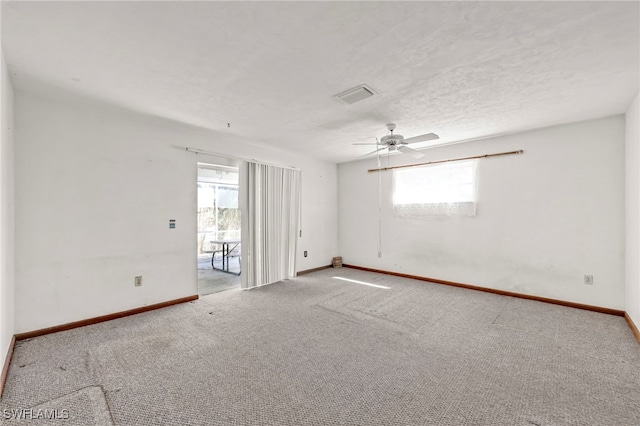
271 223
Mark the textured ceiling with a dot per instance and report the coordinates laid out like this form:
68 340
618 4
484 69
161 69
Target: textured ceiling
460 69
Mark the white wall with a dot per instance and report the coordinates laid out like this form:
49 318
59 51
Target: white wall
632 207
6 216
545 218
95 189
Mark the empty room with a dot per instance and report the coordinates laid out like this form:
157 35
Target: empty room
320 213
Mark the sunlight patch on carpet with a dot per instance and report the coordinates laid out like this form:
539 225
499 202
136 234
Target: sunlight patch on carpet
361 282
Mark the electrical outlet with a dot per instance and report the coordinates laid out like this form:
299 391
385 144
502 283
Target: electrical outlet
305 253
588 279
138 281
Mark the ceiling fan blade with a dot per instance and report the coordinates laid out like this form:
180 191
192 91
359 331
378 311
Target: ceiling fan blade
412 152
373 152
422 138
365 144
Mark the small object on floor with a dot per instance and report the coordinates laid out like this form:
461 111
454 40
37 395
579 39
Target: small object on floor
337 262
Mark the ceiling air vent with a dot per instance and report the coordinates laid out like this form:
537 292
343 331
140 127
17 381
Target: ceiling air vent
355 94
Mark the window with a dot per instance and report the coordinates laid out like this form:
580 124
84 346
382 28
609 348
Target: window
447 189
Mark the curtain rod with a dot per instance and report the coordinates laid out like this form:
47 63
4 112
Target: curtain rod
446 161
252 160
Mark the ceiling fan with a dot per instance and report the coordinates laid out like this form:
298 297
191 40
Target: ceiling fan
393 142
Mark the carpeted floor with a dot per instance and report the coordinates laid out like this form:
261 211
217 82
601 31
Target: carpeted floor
317 350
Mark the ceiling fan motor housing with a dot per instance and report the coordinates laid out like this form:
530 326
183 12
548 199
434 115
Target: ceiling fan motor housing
392 139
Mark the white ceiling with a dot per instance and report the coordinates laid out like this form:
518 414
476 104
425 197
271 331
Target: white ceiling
460 69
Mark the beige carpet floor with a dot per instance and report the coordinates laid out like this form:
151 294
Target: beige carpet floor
319 350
